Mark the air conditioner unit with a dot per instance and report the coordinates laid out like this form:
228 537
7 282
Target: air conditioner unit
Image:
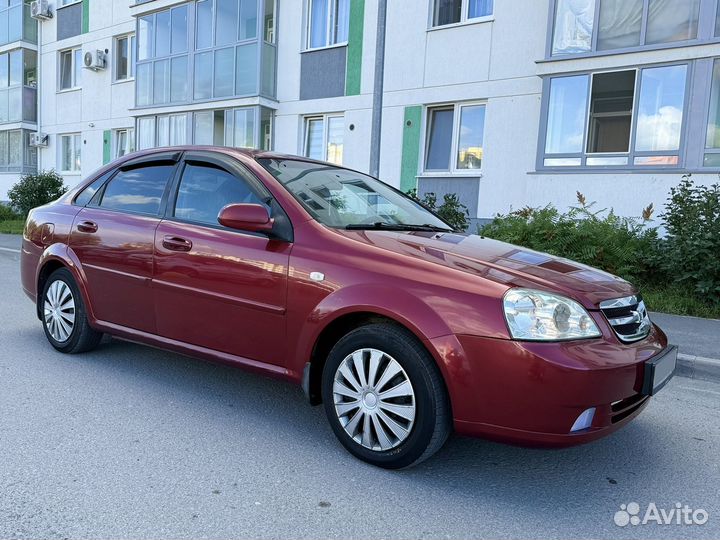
38 139
94 60
40 10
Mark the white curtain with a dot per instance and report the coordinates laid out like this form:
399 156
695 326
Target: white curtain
573 26
146 133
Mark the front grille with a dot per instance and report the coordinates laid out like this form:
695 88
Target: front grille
628 317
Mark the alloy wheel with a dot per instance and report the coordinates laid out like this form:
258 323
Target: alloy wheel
59 311
374 399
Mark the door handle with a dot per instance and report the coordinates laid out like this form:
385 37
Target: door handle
175 243
87 226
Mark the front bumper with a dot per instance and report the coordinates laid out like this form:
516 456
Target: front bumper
532 393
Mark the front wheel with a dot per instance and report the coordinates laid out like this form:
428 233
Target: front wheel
64 317
385 398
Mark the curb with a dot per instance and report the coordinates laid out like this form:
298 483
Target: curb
698 367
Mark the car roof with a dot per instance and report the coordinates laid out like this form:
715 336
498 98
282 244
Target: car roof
228 150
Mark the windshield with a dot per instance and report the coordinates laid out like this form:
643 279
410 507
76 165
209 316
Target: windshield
347 199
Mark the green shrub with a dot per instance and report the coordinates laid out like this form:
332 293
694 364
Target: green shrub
35 190
621 246
451 210
8 214
690 253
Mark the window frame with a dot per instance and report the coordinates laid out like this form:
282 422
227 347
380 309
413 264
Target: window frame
64 3
76 145
325 118
632 154
329 19
464 17
707 12
453 170
76 85
115 139
130 37
706 112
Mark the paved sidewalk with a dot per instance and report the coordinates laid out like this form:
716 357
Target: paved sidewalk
694 336
10 241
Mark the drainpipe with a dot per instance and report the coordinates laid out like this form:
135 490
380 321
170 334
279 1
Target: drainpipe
376 130
38 96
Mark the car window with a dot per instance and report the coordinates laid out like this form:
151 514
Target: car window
86 195
137 190
204 190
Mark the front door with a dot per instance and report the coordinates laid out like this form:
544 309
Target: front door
113 238
215 287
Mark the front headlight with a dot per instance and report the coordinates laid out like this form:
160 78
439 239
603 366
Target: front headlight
541 316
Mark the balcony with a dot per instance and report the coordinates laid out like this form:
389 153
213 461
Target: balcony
16 24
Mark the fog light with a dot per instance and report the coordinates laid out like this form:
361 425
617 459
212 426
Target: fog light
584 420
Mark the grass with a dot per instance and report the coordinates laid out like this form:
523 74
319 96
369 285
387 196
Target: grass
678 300
14 226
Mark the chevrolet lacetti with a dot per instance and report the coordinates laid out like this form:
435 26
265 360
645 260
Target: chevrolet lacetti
402 327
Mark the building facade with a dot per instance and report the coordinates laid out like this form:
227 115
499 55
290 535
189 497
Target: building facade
507 103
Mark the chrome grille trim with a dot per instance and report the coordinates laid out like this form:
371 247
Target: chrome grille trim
628 317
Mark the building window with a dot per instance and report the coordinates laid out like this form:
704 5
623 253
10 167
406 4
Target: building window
162 55
454 138
70 153
457 11
16 154
123 142
16 23
18 86
603 25
70 69
712 140
67 2
324 138
124 58
616 119
327 23
241 127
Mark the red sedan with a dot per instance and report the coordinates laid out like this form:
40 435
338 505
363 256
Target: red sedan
403 328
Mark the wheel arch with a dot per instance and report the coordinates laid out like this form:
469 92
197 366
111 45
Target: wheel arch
342 324
53 258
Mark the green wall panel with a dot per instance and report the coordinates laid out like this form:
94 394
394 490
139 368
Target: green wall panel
107 137
353 70
410 147
86 16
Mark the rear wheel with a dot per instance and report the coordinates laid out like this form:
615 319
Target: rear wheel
64 317
385 398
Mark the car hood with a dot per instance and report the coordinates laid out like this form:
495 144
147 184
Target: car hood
502 263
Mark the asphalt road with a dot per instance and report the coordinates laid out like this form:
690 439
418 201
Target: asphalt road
132 442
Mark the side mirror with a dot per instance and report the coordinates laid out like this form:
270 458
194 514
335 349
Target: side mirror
246 217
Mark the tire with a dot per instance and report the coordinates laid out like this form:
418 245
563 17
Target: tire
64 317
400 425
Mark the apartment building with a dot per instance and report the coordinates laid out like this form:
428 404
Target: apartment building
507 103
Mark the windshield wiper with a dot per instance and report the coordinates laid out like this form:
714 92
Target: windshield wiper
395 227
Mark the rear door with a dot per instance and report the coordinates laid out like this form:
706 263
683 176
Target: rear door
113 238
215 287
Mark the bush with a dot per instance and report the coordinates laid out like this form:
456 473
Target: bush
35 190
451 210
621 246
8 214
690 251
